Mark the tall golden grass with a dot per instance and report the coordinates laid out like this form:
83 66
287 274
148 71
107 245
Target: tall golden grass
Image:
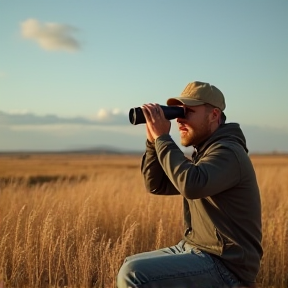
81 215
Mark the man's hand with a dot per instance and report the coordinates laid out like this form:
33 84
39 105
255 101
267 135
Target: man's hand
156 123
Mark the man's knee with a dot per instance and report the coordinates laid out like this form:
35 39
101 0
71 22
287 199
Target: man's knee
130 275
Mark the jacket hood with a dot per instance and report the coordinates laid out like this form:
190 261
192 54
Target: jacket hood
230 131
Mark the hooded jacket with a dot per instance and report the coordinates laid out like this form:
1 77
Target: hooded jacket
221 199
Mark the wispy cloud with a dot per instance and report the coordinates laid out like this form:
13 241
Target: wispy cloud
25 118
22 130
105 115
50 36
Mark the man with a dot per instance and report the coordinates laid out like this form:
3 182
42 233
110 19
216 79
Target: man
221 246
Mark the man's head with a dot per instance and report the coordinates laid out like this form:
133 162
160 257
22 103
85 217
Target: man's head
204 105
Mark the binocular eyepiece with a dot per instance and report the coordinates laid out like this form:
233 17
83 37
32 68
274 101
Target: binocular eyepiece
136 115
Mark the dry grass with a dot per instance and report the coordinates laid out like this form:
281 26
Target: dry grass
81 215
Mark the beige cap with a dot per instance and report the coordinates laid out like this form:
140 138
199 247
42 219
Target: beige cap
199 93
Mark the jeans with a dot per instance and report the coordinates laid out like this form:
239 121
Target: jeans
179 266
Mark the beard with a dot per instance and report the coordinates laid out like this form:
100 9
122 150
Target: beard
194 136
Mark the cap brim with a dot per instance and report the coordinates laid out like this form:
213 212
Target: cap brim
184 101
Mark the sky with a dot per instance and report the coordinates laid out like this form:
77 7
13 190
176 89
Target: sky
71 70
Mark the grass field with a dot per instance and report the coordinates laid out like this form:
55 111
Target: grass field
70 220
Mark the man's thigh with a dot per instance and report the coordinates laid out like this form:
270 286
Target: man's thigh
161 269
177 249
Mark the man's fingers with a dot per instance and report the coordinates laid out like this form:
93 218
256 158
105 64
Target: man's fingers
146 112
149 111
155 120
153 110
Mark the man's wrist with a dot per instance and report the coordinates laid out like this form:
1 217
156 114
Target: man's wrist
150 144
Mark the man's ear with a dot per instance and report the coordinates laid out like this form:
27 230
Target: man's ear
216 115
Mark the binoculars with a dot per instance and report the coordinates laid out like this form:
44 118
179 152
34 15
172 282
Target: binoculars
136 115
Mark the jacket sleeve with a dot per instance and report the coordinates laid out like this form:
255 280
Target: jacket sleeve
217 171
155 179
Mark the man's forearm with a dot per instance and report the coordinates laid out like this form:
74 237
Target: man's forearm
156 181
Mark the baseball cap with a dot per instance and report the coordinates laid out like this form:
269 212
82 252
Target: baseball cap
199 93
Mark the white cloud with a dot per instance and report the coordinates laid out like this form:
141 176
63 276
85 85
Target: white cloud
50 36
110 116
24 117
102 114
116 111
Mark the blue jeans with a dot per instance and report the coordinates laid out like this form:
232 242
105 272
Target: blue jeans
179 266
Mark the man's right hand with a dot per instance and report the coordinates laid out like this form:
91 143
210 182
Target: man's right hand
156 123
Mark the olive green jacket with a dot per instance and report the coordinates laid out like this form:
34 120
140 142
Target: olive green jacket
222 206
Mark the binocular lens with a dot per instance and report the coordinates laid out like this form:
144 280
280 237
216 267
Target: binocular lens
136 115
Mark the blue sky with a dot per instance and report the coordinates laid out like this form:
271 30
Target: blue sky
97 59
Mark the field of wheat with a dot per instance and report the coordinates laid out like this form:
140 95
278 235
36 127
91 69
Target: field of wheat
70 220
